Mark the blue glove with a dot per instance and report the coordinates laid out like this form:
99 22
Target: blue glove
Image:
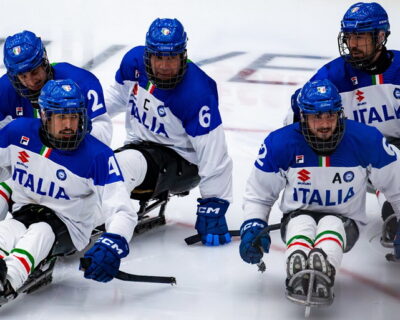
396 242
211 223
249 230
105 256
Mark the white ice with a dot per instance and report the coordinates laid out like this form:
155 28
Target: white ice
212 283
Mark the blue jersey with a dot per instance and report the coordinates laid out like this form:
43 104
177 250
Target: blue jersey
370 99
78 185
331 184
185 118
14 106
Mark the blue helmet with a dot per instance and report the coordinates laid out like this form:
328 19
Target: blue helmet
319 96
23 52
316 98
166 37
63 97
363 17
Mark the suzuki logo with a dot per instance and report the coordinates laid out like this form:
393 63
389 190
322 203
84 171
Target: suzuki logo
303 175
23 156
360 96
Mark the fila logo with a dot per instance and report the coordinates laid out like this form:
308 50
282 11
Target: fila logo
303 175
300 159
23 156
359 95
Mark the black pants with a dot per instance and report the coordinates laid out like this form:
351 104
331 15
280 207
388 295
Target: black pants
166 171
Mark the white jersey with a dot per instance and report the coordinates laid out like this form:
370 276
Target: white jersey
370 99
185 118
328 184
78 185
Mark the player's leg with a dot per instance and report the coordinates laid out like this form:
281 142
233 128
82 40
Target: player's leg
151 169
133 166
42 230
327 254
10 232
29 251
299 234
5 198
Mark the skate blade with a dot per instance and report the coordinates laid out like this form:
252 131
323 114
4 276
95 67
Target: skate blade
385 241
8 298
392 258
310 300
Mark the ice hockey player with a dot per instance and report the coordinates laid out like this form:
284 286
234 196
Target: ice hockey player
174 129
322 163
367 76
28 69
62 176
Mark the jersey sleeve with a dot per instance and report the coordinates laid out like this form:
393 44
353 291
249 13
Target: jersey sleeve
264 183
8 101
117 95
118 211
215 164
385 171
5 158
207 136
97 112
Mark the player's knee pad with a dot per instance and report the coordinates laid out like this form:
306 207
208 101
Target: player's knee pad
133 166
11 231
306 221
166 171
34 213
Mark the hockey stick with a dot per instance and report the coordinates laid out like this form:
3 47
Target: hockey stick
197 238
256 243
85 263
235 233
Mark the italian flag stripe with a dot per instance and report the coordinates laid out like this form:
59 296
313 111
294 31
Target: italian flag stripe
150 87
324 161
6 187
377 79
4 195
300 237
25 257
299 244
329 239
337 234
5 191
36 113
45 152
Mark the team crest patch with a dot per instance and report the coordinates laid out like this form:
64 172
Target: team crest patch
66 87
16 50
321 89
61 175
165 31
348 176
396 93
354 81
161 111
24 141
